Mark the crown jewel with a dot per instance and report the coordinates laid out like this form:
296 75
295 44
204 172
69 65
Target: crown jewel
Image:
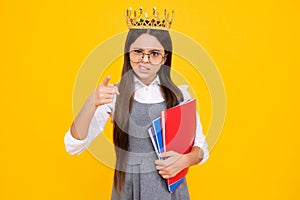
143 20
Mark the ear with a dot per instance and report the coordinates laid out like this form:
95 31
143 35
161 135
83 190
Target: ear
165 59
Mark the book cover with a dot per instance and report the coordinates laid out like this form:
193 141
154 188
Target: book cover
153 139
156 137
179 129
158 134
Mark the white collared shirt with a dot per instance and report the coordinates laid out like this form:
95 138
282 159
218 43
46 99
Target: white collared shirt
143 94
148 93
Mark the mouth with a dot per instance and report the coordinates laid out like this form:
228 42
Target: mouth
143 68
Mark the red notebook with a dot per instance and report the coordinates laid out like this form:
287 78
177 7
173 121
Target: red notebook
179 129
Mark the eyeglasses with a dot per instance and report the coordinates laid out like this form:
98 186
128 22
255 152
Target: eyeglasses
155 58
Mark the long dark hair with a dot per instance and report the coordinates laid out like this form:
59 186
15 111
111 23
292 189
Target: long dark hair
124 101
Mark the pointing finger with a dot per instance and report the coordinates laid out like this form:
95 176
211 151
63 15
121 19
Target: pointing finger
106 80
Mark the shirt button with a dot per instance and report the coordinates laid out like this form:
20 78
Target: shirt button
147 88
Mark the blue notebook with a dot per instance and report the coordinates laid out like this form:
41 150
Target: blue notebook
156 136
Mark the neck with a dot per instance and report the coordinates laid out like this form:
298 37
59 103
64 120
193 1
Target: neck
147 81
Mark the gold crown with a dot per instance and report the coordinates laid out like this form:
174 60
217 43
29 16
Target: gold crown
143 20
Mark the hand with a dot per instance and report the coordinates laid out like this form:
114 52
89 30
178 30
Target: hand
172 165
104 94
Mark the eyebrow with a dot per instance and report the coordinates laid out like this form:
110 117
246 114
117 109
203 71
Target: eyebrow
151 50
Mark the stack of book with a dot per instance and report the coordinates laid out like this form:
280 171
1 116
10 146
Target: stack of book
175 130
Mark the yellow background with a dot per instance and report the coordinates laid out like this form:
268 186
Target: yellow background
254 44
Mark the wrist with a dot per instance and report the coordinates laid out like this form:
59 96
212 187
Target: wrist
186 160
91 102
194 157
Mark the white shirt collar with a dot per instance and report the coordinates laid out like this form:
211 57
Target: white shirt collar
139 84
148 93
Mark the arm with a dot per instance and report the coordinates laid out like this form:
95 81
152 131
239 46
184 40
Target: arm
176 162
200 138
79 128
91 119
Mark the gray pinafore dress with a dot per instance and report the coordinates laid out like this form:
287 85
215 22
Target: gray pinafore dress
142 181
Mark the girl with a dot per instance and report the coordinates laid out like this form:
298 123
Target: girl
145 89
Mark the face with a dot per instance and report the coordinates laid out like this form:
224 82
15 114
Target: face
145 69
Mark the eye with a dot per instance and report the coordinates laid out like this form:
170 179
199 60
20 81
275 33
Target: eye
137 51
155 54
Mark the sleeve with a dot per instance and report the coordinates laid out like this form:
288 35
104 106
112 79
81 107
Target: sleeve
74 146
199 138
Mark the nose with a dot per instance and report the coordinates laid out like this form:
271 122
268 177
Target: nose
145 56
